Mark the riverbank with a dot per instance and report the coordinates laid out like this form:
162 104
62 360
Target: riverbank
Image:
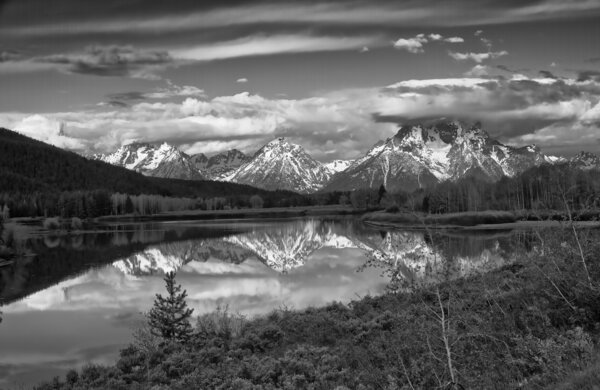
480 220
532 324
23 228
259 213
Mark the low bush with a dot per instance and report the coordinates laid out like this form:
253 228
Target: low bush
52 223
76 223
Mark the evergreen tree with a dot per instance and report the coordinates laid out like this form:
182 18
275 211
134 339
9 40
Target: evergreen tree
381 193
128 205
169 317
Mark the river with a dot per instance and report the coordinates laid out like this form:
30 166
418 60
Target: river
75 299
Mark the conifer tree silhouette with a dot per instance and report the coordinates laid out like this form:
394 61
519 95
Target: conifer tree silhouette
169 316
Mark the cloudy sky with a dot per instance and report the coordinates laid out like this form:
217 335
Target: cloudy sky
334 76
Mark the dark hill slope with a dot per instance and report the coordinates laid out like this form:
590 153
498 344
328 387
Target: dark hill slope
27 165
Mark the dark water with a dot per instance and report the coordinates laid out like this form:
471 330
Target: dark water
77 299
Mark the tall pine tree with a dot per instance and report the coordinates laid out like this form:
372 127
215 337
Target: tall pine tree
169 316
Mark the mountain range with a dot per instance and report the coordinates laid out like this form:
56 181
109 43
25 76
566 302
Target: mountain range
417 156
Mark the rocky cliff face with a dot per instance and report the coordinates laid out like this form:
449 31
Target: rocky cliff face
220 165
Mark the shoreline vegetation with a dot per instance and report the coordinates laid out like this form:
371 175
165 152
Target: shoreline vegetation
531 324
480 220
23 227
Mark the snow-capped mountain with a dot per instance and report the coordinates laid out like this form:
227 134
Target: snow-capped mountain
153 160
219 165
585 161
419 156
281 165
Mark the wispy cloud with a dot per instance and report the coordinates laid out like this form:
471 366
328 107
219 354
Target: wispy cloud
111 61
9 55
429 13
267 45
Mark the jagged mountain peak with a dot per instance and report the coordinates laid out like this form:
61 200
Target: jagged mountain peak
219 165
162 160
446 131
422 154
585 160
282 165
279 145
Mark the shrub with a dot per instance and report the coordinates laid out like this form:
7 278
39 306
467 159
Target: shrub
393 209
51 223
76 223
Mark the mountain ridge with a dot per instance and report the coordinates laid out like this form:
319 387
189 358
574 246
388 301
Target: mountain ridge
417 156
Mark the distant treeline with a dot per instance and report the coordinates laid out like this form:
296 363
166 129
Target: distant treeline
91 204
546 187
541 188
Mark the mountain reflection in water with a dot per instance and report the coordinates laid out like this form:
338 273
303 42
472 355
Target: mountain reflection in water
77 300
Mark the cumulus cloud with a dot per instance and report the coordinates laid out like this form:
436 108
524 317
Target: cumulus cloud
454 39
518 110
415 44
478 71
477 57
411 45
47 130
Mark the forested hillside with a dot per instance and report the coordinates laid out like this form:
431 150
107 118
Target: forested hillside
36 177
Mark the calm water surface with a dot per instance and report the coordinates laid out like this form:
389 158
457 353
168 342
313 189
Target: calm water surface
78 298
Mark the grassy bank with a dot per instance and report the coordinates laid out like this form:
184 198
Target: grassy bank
274 212
452 219
533 324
